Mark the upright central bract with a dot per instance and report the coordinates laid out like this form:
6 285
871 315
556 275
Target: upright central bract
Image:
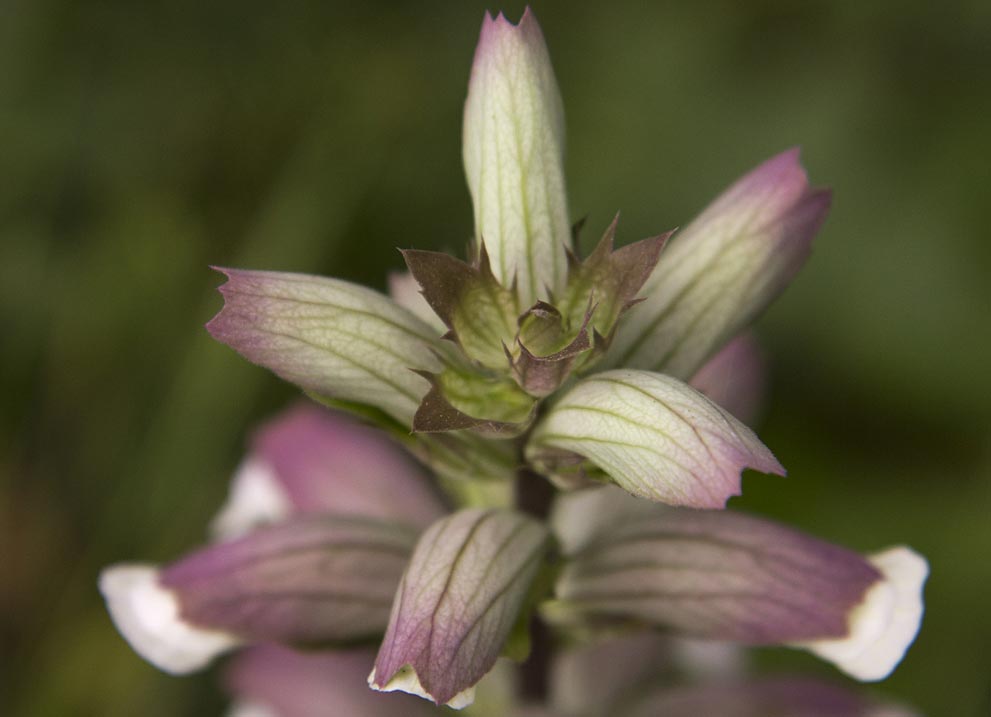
521 363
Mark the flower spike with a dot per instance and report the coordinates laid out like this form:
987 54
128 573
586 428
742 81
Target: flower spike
522 368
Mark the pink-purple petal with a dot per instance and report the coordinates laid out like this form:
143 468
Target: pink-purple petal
729 576
310 580
589 679
325 462
457 603
722 270
735 378
718 575
290 683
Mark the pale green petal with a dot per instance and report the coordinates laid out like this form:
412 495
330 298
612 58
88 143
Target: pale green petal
651 434
337 340
719 273
513 154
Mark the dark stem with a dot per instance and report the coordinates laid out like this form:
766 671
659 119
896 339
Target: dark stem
534 494
535 672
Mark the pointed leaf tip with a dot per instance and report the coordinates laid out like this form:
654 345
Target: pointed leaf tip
611 278
478 310
493 407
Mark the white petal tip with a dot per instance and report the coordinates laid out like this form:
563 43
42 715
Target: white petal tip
256 497
406 680
884 625
147 615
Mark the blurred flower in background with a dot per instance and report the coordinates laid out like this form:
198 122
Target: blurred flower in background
143 146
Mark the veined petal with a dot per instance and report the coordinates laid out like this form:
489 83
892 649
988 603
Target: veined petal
653 435
338 340
457 604
513 153
306 581
721 271
729 576
311 460
734 378
289 683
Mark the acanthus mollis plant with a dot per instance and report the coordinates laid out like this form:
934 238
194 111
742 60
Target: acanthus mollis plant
581 420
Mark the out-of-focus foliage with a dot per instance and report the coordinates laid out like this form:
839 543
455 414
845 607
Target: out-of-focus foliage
145 141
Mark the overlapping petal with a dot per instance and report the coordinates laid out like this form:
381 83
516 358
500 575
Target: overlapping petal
652 435
722 270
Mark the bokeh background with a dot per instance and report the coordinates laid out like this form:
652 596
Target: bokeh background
143 142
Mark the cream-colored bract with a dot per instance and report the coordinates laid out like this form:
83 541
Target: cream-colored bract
147 615
652 435
884 625
513 149
256 498
406 680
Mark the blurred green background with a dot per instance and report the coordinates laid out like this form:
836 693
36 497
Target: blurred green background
143 142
